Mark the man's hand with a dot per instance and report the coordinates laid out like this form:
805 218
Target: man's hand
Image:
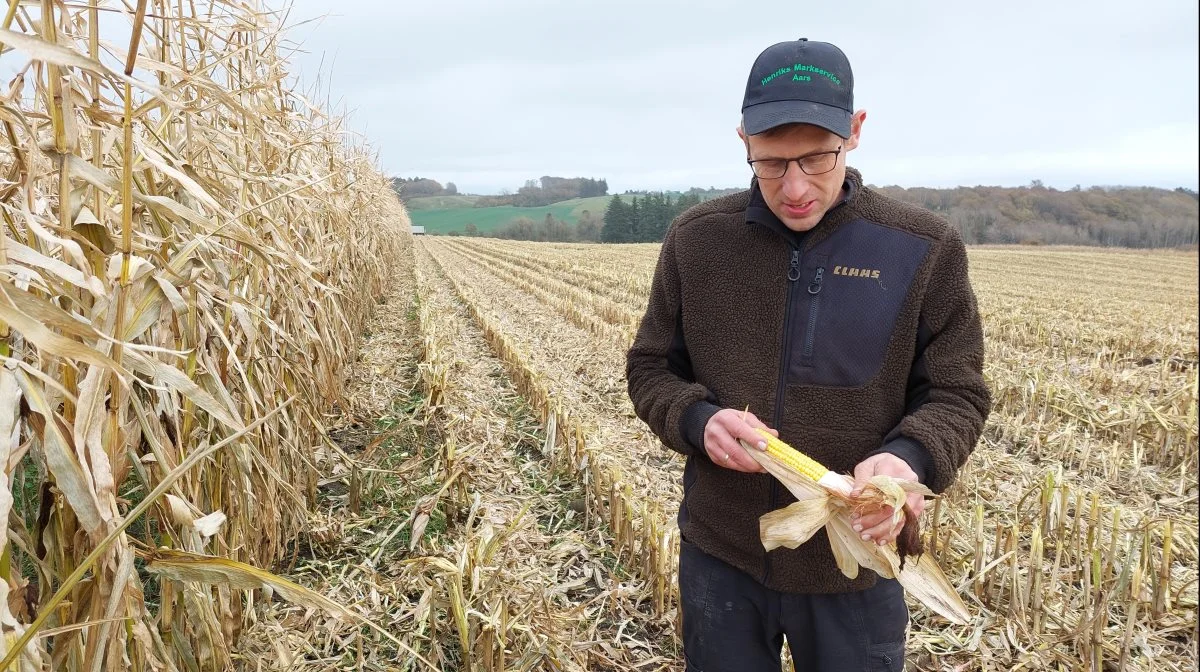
877 525
723 430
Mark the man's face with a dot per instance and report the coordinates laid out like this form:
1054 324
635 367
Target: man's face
800 200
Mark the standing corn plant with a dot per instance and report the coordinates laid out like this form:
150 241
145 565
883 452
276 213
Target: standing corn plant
189 249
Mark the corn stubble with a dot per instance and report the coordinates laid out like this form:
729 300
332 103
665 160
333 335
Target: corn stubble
586 615
1071 533
189 249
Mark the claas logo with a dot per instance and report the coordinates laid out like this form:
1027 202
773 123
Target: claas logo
857 272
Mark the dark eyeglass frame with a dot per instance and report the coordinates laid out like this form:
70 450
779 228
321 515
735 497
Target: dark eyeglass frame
758 164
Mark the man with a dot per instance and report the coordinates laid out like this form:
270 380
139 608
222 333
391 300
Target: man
840 318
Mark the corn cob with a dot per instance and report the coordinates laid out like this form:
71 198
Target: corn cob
803 464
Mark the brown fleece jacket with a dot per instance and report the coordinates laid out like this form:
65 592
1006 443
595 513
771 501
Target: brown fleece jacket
866 339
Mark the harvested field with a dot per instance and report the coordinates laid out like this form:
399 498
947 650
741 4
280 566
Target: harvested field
1072 531
249 422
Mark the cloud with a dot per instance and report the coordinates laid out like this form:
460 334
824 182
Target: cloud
646 94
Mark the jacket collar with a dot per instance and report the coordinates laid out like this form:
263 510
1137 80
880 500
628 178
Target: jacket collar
757 211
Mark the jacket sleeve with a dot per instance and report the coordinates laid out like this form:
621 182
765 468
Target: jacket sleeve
657 367
948 400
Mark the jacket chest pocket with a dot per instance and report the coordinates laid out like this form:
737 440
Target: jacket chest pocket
848 305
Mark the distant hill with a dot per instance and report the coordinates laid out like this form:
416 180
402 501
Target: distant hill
1111 216
438 219
1034 214
446 214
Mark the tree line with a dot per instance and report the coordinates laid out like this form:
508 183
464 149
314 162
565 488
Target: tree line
545 191
549 230
415 187
548 190
1032 214
638 220
645 221
1036 214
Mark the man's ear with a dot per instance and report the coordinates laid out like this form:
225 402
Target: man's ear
856 124
745 139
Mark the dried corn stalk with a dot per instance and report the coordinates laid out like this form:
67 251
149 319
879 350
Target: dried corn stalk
188 251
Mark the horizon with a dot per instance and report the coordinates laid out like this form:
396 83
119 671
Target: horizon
613 192
485 96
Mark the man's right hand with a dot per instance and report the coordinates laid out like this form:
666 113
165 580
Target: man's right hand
721 436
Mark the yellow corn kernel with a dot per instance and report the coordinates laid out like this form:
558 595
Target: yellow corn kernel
805 465
793 458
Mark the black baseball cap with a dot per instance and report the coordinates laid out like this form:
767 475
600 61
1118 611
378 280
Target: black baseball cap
799 82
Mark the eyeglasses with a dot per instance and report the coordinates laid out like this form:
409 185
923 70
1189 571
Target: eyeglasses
811 164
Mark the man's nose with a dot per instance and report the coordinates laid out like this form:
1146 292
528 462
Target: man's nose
795 181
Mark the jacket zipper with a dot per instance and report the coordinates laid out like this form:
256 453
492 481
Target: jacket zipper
810 334
784 363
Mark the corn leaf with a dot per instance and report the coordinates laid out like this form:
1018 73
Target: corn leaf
69 474
206 569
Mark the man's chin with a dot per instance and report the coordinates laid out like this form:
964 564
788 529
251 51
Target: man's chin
801 224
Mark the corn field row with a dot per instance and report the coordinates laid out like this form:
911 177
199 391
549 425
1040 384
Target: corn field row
506 596
1033 303
618 313
189 250
639 534
1076 541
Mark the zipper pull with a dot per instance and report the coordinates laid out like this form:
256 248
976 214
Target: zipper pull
815 286
794 270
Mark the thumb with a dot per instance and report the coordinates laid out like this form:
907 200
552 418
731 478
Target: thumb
862 473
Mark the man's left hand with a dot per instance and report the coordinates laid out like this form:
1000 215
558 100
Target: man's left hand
876 525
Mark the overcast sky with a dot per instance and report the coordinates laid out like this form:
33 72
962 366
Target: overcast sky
648 93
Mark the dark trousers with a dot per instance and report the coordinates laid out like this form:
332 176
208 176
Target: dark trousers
732 623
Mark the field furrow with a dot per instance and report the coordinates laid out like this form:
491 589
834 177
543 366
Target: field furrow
586 437
616 286
530 273
587 377
539 589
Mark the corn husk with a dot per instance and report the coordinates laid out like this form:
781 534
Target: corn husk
820 507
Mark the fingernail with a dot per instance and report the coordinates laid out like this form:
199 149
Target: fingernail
762 445
866 537
858 528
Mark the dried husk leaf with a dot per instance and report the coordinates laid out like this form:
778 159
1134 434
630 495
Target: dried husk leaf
925 581
209 525
181 511
794 524
865 553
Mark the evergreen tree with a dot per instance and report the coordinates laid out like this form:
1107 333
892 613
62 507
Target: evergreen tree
616 228
662 217
635 221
